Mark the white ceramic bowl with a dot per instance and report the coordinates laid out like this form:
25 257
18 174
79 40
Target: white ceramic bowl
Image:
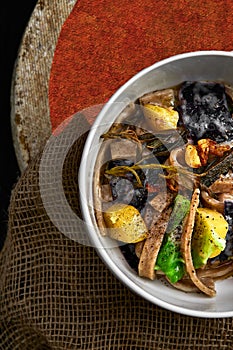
202 65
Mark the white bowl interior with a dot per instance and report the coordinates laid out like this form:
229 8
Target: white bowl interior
204 65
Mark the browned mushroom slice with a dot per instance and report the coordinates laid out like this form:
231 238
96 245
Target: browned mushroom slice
211 202
222 197
187 285
217 270
152 246
106 193
102 157
208 282
150 215
186 239
139 247
222 185
125 147
177 159
220 191
164 98
126 113
118 126
162 201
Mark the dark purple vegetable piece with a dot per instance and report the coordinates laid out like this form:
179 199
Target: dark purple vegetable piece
153 176
119 162
140 197
124 191
228 251
125 188
128 251
205 112
228 213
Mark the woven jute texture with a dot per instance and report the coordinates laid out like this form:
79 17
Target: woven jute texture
30 117
58 294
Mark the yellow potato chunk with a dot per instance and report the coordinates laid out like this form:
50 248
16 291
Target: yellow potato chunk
125 223
160 118
192 158
209 235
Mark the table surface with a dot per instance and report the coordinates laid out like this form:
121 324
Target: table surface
12 30
14 17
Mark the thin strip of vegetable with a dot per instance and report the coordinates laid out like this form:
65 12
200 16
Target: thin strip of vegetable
186 246
170 260
128 168
224 164
152 246
175 169
180 209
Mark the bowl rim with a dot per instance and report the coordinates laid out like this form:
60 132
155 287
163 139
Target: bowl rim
103 254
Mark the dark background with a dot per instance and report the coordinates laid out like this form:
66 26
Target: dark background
14 17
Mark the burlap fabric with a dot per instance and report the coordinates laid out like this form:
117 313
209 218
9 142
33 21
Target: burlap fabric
30 116
54 292
57 293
